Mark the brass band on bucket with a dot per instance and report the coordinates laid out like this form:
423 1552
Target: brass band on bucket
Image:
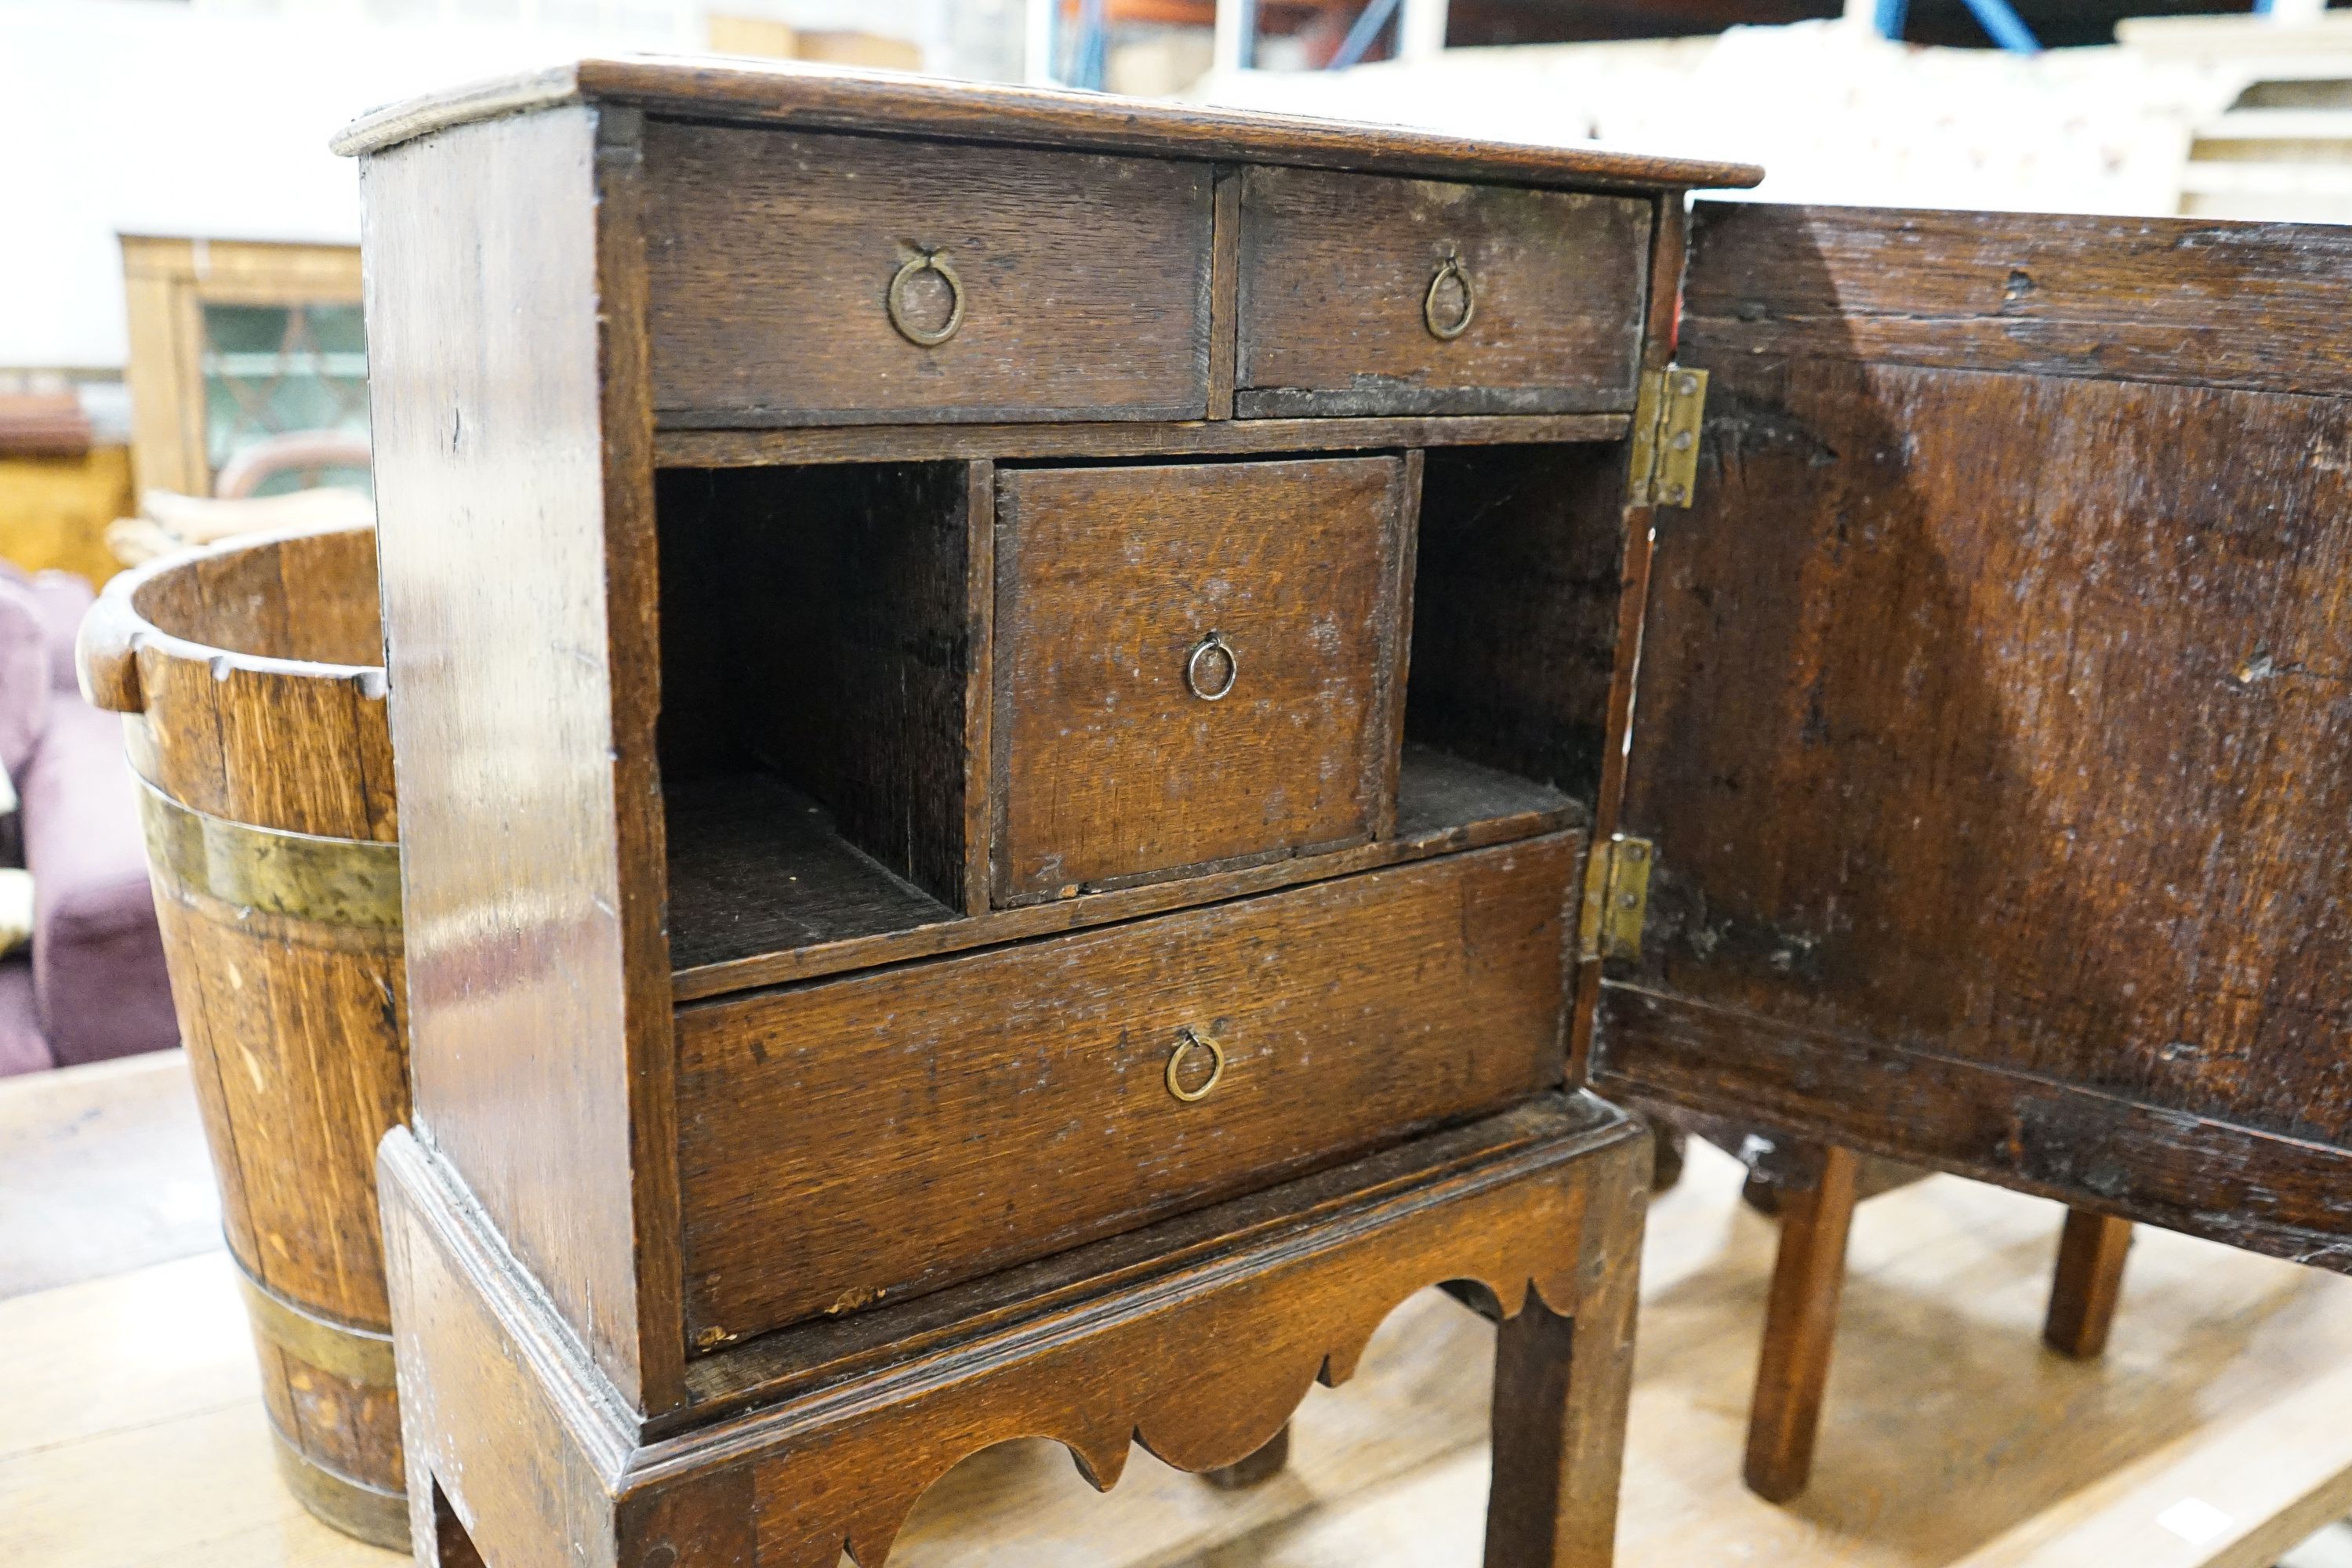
301 876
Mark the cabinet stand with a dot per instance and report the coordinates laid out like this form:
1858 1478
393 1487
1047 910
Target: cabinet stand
1197 1338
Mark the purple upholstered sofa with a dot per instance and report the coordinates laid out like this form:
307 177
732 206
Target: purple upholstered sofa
93 984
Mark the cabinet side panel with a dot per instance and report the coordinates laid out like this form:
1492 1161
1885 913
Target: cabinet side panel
484 1420
520 863
1992 718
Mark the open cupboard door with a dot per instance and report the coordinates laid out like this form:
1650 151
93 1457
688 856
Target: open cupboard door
1994 725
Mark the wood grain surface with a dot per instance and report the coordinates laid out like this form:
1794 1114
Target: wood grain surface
1013 1103
1109 768
758 870
769 254
1812 1188
270 596
1515 609
1535 1209
1988 704
2192 301
255 672
1800 1317
787 93
297 1033
294 1019
845 912
722 448
1669 253
1989 725
291 998
2090 1280
1335 272
820 626
1948 1439
514 502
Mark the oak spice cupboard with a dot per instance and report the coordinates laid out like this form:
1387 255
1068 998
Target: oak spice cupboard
1050 749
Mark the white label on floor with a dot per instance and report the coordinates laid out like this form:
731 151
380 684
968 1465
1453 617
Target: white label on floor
2195 1520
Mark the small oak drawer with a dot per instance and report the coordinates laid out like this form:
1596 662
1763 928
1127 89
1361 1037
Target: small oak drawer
882 1135
1362 294
1197 666
815 279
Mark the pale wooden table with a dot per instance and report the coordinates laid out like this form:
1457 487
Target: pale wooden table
130 1426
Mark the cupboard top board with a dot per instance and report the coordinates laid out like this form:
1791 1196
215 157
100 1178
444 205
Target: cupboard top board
825 98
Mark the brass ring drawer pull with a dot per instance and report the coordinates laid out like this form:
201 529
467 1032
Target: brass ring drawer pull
915 267
1188 1040
1450 268
1213 643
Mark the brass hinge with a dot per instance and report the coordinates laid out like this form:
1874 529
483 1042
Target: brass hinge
1666 435
1617 898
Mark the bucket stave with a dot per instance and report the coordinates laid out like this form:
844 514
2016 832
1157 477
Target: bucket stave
249 678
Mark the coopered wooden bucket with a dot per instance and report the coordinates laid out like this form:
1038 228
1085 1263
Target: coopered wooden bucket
250 676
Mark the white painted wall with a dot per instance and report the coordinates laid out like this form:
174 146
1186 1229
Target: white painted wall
130 116
147 116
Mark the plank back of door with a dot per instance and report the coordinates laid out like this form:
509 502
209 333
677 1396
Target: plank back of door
1993 710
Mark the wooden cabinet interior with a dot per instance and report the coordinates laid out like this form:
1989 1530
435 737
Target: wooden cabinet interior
1515 614
819 636
830 660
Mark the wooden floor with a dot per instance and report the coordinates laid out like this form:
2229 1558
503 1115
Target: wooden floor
2214 1434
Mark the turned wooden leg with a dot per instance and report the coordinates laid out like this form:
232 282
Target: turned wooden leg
1257 1469
1799 1321
1561 1386
2090 1277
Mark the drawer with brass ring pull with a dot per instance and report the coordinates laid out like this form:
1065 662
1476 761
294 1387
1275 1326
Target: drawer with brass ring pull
1197 1053
1360 294
1197 666
809 278
868 1138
